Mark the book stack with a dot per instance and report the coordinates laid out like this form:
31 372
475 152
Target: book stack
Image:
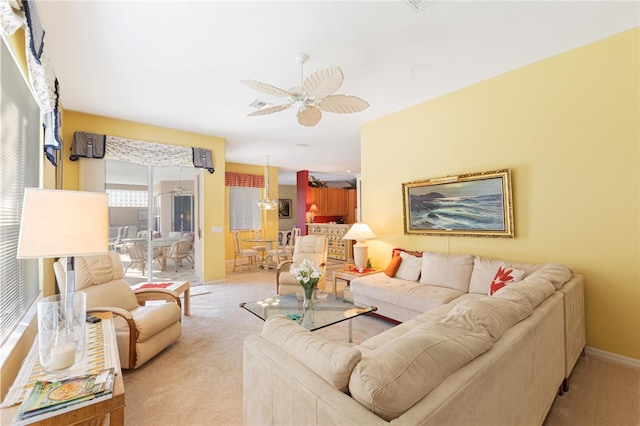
48 398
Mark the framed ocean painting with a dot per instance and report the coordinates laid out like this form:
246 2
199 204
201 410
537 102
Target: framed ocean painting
470 205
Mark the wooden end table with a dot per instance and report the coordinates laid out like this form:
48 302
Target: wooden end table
350 274
177 286
92 414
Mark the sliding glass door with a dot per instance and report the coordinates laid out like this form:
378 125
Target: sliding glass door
152 218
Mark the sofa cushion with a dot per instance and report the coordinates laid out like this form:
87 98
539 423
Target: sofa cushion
447 270
151 320
393 266
409 268
504 275
385 381
497 315
535 289
408 294
332 361
556 274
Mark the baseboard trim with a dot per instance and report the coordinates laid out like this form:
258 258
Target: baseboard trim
610 356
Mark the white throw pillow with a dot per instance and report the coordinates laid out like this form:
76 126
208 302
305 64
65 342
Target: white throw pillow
409 267
447 270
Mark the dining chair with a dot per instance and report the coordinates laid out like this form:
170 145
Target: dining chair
295 233
279 253
239 253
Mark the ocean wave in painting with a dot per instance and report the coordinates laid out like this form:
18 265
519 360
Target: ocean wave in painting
436 211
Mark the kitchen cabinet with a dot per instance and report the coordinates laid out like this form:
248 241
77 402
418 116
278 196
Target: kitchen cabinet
331 201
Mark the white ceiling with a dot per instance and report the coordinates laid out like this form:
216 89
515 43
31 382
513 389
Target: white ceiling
177 64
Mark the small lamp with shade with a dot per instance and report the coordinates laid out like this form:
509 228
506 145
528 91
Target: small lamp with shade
360 232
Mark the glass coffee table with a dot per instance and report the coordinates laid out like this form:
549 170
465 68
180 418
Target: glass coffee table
328 309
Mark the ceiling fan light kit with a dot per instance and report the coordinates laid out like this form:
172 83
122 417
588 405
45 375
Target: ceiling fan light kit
314 95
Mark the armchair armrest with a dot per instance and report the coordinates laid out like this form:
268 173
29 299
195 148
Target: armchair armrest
145 294
128 317
281 268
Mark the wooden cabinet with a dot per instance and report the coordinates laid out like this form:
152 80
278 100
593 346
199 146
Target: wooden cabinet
338 248
331 201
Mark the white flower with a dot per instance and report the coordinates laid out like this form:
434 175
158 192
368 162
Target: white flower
307 273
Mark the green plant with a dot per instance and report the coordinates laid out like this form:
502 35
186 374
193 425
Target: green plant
316 183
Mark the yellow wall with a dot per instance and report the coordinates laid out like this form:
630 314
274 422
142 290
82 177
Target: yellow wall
213 184
568 127
269 217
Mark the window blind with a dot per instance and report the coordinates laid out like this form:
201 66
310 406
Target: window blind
244 212
20 145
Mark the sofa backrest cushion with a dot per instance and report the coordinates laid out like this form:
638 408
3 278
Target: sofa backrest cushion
409 268
447 270
312 247
497 315
332 361
556 274
534 289
392 378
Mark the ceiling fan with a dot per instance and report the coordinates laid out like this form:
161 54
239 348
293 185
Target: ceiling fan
314 95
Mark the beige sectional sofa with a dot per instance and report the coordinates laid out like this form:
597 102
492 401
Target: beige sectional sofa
467 358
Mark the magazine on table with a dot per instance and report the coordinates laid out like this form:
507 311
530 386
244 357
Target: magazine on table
51 397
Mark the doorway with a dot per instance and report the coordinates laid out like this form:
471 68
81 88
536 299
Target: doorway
152 211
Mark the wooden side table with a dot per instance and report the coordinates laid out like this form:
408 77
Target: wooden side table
93 414
177 286
348 275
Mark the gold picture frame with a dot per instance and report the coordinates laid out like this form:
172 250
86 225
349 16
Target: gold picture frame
468 205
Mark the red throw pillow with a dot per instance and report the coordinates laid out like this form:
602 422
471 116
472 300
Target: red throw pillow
503 277
393 266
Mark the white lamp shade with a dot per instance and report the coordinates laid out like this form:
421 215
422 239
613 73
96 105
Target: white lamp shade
58 223
359 232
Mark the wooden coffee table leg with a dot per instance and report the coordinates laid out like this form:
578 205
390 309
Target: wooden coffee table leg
187 301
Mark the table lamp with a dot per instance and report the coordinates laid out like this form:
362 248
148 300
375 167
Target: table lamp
360 232
58 223
312 213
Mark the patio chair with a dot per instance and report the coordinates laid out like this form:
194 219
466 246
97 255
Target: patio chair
179 251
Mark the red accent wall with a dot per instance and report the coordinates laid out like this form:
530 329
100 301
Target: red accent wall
302 194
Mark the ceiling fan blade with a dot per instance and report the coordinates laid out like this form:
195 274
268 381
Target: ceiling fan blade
342 104
323 82
269 110
267 88
309 116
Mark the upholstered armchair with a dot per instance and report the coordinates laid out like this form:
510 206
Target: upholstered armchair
141 331
312 247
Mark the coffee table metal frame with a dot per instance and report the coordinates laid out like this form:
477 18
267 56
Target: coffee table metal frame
322 313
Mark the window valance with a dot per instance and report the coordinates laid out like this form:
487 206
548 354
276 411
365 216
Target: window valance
92 145
243 179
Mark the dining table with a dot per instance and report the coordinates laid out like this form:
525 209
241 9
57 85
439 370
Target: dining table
268 244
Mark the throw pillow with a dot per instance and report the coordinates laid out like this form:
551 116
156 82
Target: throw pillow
503 277
409 268
393 266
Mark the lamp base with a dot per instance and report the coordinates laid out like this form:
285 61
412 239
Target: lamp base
360 255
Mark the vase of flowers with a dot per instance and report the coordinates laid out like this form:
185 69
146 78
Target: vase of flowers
307 274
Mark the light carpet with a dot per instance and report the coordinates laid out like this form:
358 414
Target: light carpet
198 379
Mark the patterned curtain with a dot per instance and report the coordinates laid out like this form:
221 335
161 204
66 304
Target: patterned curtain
243 179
